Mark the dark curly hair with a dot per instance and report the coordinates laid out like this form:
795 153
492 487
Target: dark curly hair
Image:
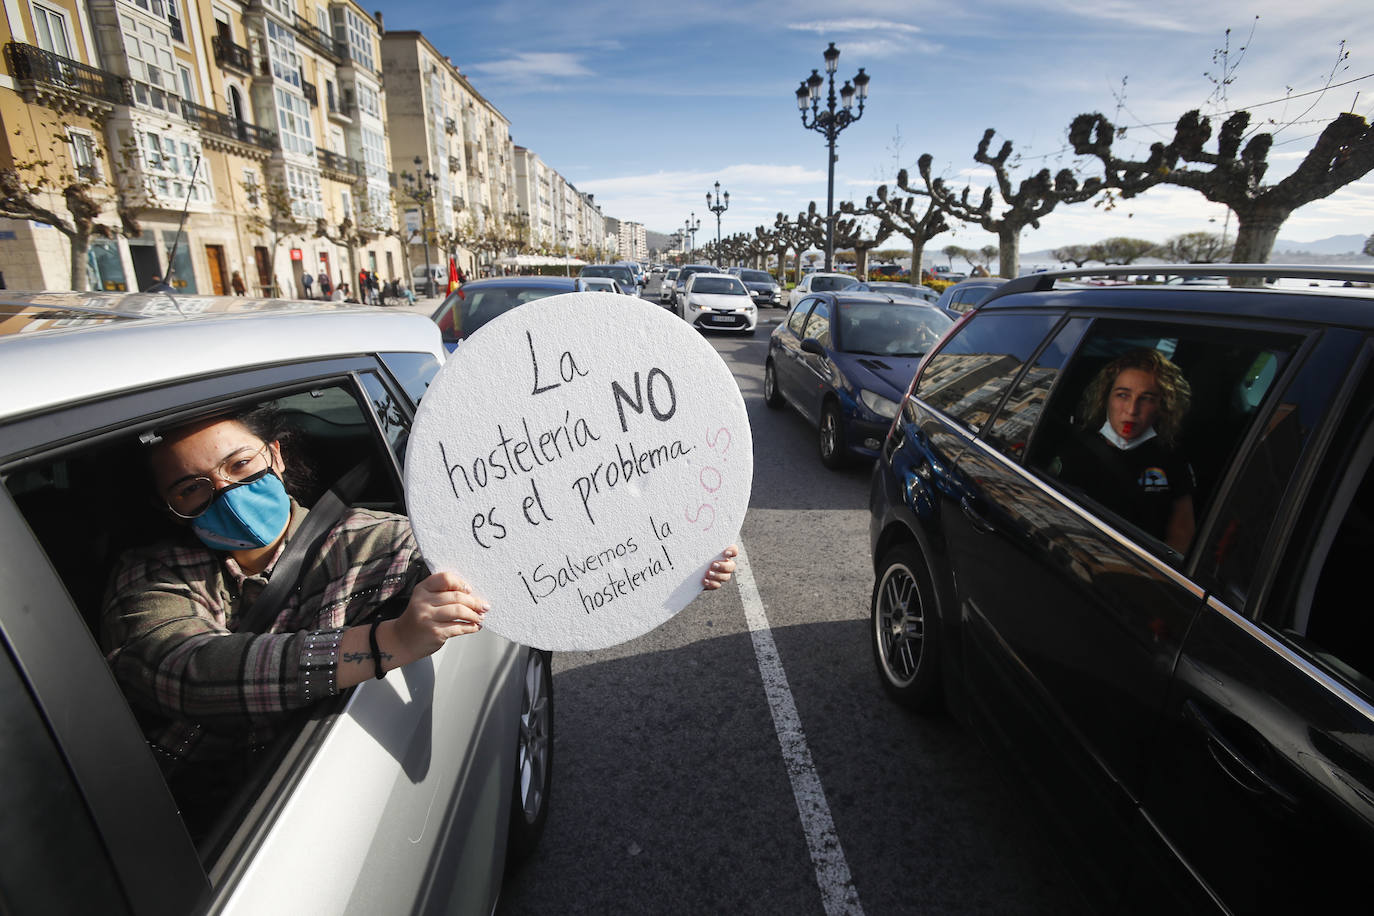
1176 394
269 424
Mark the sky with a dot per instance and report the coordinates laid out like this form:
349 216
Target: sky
648 105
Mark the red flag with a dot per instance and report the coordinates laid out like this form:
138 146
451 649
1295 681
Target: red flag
453 276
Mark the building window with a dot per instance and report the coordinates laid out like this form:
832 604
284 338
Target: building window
169 163
251 187
303 186
149 54
322 19
359 37
293 115
374 154
84 155
50 30
281 48
368 101
187 88
174 21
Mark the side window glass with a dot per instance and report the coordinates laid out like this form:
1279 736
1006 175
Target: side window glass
818 325
968 376
386 406
413 371
1232 559
1013 424
1147 417
797 320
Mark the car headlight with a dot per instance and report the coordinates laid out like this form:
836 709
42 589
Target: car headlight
878 404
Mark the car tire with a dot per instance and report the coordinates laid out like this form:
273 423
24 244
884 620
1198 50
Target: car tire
771 395
534 757
905 630
834 453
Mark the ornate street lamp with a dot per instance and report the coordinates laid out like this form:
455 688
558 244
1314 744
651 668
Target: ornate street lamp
421 190
718 208
828 122
690 233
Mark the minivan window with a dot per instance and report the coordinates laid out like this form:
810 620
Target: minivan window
968 376
1200 399
1013 424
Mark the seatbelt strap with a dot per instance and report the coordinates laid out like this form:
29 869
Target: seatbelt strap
286 572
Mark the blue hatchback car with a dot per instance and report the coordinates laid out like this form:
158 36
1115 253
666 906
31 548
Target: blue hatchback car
845 360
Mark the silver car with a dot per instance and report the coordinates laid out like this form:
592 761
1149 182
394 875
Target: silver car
401 795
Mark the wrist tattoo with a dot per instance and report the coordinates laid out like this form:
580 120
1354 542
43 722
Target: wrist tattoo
361 656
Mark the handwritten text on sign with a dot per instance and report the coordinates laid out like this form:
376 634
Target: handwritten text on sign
581 461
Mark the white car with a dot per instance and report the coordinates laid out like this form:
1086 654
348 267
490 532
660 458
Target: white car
720 302
819 282
400 795
665 287
602 284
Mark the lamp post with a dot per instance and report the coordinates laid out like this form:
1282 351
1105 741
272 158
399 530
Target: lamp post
422 192
567 252
692 225
718 208
828 122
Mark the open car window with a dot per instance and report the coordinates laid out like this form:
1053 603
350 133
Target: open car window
88 505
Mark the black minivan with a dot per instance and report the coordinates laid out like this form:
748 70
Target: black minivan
1170 645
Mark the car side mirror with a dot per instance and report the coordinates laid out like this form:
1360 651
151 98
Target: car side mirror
812 345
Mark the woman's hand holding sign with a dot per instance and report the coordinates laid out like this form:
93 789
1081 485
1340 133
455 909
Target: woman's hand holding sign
588 501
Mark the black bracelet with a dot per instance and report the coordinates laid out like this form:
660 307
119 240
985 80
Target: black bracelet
376 650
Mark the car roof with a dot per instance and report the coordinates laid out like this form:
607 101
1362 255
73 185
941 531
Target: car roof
107 343
569 283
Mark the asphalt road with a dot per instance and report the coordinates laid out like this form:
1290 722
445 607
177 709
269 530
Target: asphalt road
673 792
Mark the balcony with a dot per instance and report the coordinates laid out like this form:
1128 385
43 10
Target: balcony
341 109
214 124
342 167
64 84
228 54
318 39
312 95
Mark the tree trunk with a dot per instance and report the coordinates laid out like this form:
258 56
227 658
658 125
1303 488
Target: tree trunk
1008 251
861 263
80 244
918 252
1256 234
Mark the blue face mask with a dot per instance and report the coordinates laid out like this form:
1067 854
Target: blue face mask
245 516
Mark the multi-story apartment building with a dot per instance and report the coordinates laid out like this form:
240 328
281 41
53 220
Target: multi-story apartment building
211 142
455 147
204 128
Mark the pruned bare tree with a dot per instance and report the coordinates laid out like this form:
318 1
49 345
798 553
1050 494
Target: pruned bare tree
1021 206
1233 173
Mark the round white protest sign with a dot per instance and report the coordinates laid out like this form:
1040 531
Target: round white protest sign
580 461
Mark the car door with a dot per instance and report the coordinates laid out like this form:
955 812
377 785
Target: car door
786 350
1073 618
424 758
815 373
1264 778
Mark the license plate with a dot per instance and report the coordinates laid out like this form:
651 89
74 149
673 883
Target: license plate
720 319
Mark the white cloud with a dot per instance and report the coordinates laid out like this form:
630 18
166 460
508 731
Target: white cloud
532 66
823 26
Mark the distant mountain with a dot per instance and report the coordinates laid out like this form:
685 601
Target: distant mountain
1336 244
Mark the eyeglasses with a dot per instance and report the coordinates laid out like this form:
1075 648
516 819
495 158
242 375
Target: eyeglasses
191 496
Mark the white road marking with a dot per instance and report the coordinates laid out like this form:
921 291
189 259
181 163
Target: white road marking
838 894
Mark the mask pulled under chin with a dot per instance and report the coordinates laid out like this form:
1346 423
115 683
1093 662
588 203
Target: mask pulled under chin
1122 443
246 516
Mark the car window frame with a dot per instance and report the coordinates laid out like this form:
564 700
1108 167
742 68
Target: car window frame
70 678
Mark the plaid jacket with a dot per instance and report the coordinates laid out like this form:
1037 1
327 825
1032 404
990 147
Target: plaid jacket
202 688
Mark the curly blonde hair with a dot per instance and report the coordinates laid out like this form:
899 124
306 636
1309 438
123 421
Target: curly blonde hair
1176 395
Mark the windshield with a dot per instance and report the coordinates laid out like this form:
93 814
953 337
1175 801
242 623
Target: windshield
616 273
890 330
459 316
755 276
727 286
821 284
